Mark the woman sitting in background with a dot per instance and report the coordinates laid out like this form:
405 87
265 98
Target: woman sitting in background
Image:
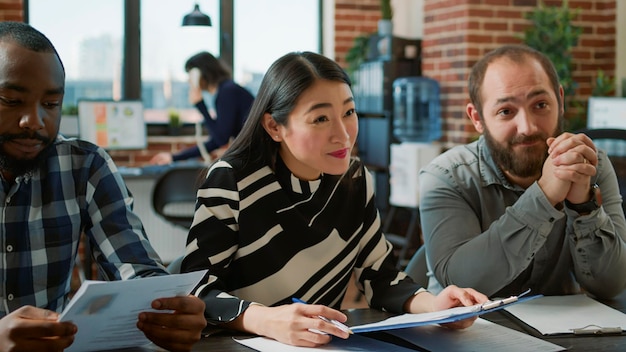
232 103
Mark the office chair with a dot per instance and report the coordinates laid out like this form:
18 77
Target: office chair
402 241
174 194
613 141
174 199
604 133
417 268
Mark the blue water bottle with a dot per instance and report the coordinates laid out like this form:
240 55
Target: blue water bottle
416 110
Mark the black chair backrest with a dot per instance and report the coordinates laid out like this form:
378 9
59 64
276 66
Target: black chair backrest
605 133
174 194
613 141
417 268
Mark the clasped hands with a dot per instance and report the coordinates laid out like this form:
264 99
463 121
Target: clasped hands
566 174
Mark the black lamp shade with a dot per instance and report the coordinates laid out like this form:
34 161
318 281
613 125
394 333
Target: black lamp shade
196 18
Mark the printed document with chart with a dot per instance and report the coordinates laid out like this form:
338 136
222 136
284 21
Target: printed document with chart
106 312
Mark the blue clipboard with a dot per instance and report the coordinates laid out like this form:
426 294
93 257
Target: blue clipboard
441 317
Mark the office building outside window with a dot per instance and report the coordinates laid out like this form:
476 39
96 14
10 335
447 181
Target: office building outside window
88 35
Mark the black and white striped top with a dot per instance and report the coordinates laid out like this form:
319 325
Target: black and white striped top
269 237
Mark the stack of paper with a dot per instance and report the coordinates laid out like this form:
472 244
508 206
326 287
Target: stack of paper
573 314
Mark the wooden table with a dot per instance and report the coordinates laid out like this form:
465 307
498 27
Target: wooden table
223 343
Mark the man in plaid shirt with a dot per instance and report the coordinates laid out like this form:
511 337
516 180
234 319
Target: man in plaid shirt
54 189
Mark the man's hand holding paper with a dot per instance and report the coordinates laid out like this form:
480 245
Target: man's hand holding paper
34 329
179 327
130 313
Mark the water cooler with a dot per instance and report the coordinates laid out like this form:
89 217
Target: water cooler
417 125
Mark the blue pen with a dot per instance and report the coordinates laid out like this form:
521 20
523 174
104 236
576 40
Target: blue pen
337 323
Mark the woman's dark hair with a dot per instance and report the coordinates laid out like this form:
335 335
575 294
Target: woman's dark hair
282 85
27 37
213 70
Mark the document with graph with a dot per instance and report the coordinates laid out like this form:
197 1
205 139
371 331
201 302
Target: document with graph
106 312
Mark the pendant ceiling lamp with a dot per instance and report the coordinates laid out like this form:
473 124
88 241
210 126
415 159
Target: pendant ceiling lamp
196 18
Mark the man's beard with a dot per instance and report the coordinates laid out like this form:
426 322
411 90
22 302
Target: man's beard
19 167
526 163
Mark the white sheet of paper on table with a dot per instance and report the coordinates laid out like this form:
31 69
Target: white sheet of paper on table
355 343
562 314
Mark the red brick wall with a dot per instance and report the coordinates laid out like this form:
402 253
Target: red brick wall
11 10
459 32
352 19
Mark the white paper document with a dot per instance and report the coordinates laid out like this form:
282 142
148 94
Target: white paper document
355 343
572 314
106 312
483 335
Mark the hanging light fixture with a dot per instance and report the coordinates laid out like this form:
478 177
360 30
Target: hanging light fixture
196 18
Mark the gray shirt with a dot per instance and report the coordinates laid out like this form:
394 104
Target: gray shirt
483 232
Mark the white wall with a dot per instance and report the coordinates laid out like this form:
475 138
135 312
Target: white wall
328 28
408 18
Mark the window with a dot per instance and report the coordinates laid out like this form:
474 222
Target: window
90 48
266 30
88 35
165 46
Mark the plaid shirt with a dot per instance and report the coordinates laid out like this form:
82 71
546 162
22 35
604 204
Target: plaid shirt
77 189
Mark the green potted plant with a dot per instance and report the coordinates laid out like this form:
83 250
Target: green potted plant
360 49
70 109
174 122
385 26
386 11
604 85
357 54
553 34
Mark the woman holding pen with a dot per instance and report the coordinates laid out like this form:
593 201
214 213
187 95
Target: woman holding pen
287 213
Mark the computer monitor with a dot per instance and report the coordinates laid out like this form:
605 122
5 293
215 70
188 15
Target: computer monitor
112 124
605 112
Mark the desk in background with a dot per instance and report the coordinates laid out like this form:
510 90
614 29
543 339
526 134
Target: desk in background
167 239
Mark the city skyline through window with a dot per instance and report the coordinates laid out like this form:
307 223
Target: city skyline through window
89 39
